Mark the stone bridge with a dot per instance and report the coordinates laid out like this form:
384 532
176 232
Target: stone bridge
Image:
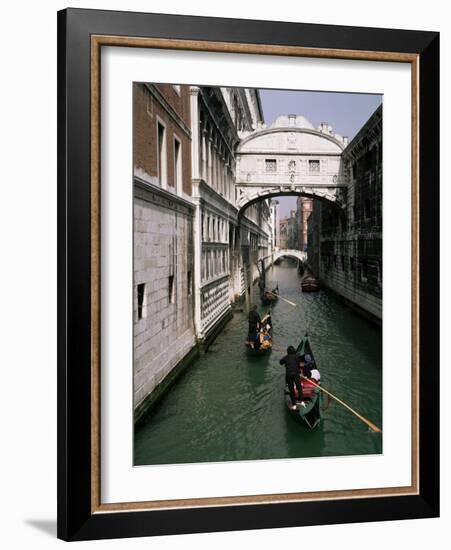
298 254
291 157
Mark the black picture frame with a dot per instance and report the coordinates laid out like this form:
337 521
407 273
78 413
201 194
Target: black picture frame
76 520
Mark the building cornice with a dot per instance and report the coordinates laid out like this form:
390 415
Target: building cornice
160 197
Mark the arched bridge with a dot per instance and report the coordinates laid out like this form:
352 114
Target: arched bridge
292 253
291 157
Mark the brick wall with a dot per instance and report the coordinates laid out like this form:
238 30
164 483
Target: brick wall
148 108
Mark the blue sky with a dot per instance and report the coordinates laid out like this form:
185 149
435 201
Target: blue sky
345 112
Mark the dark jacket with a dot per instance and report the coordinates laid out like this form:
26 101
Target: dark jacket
254 319
291 362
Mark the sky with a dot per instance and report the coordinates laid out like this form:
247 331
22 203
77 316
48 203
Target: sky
345 112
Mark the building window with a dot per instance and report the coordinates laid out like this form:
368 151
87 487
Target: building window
351 263
142 301
342 262
367 209
190 283
177 166
162 159
171 293
271 165
313 165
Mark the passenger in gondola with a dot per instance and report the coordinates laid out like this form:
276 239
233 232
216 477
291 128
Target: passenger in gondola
254 328
265 339
315 376
309 369
308 365
267 321
292 375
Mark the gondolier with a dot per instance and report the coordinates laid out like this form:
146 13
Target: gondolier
292 375
254 326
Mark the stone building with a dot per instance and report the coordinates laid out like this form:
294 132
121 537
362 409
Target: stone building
195 252
292 231
164 330
304 209
283 232
349 242
218 116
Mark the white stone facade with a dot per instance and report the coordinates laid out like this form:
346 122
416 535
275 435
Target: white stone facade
163 290
290 156
217 117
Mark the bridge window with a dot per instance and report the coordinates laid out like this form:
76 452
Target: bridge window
313 165
271 165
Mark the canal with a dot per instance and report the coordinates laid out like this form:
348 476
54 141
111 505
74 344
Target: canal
229 405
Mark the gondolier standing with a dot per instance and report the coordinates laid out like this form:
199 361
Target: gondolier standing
292 374
254 326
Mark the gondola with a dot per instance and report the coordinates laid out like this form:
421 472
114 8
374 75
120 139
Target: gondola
311 413
266 322
309 284
269 297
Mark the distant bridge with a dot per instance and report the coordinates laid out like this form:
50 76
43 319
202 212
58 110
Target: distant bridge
292 253
283 253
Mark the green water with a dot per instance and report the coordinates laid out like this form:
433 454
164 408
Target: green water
230 405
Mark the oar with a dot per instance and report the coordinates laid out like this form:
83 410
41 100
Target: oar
279 296
359 416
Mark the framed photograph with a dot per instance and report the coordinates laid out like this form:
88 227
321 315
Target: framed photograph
248 274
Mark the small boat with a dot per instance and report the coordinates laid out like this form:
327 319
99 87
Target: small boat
309 284
311 412
269 296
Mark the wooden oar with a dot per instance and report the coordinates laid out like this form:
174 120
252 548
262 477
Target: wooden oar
359 416
279 296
